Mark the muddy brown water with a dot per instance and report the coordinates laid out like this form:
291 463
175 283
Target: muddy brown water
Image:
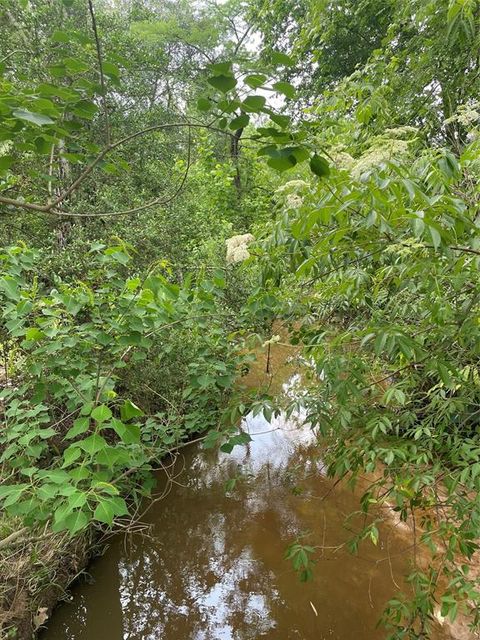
212 566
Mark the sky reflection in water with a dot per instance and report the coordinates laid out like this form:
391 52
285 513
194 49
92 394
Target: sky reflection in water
213 568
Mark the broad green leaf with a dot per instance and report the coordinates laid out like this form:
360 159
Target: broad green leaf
107 488
281 120
33 334
240 122
286 88
80 425
6 162
9 286
76 522
130 434
223 82
74 65
84 109
319 166
254 103
36 118
108 508
60 36
436 237
282 59
255 80
16 490
102 413
77 499
70 455
111 456
203 104
220 67
111 70
92 444
280 159
43 145
211 439
129 410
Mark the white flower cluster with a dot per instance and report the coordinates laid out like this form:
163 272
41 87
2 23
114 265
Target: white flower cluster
343 160
291 192
237 250
273 340
376 156
468 115
393 144
293 186
293 201
401 132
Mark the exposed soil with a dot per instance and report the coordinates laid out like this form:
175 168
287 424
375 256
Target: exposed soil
35 572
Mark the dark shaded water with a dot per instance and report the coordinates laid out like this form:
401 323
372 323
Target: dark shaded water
212 566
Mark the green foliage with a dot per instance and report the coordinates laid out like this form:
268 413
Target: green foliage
286 146
370 252
379 266
71 434
301 557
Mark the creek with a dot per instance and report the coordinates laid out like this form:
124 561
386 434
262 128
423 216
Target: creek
211 565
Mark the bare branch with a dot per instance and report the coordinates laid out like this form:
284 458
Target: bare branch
148 205
52 207
100 69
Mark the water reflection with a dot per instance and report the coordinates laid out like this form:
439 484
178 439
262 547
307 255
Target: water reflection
213 566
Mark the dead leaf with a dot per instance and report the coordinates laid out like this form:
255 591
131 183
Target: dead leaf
40 617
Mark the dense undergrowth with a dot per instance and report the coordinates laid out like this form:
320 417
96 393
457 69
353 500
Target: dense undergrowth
134 141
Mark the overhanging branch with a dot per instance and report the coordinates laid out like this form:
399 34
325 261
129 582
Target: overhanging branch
52 207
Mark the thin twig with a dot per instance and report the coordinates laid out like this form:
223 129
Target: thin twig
50 207
12 53
100 69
